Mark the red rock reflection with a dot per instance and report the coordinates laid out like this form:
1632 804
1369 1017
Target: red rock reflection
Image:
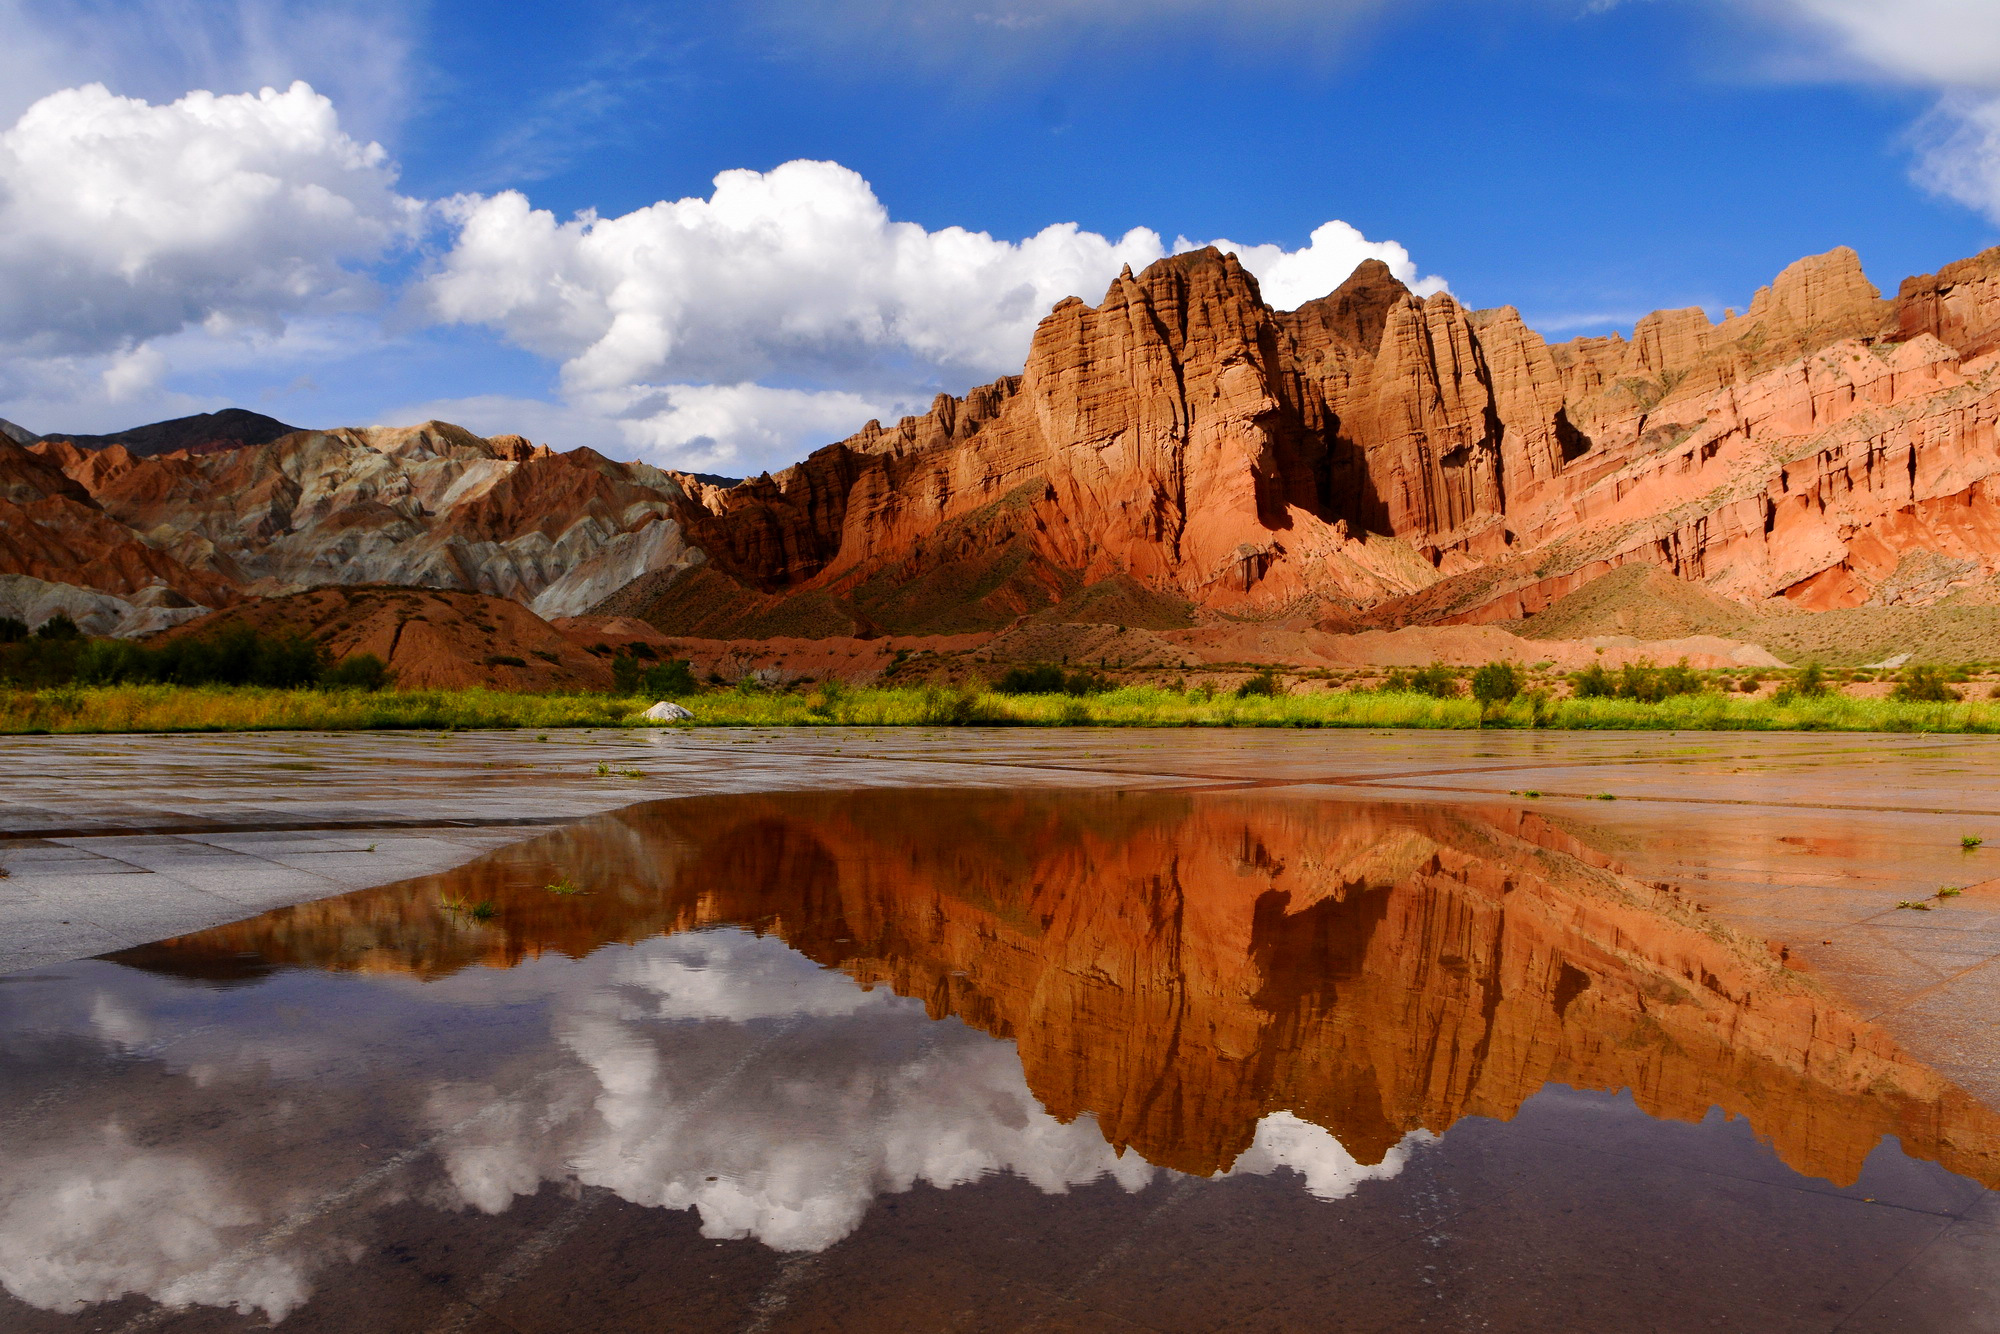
1181 965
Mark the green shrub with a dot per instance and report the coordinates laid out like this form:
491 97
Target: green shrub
1925 685
240 655
12 629
1048 679
625 674
1593 682
357 671
58 626
1436 680
1810 681
1041 679
1496 683
1649 684
949 706
672 679
236 655
1264 683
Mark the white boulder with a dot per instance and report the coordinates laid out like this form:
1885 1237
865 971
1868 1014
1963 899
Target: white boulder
666 711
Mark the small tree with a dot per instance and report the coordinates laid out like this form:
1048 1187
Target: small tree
1496 683
1925 685
12 629
1263 683
671 679
1593 682
58 626
625 674
357 671
1811 680
1040 679
1437 680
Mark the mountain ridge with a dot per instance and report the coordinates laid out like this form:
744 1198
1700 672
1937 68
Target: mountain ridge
1369 459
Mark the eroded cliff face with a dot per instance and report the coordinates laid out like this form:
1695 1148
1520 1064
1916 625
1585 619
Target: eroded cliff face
1369 458
1180 966
430 505
1400 459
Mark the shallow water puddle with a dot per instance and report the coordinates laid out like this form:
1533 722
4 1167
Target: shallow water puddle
980 1060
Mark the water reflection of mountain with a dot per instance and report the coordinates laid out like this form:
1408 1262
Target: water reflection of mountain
1181 965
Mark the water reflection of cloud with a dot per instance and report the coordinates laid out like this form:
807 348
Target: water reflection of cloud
791 1138
1330 1172
731 974
716 1071
101 1218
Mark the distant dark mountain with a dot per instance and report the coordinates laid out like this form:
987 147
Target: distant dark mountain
205 433
20 435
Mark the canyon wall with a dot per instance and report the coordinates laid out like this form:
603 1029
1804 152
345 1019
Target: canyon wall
1370 458
1376 456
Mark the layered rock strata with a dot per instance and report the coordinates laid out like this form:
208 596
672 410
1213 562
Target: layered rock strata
431 505
1370 458
1376 458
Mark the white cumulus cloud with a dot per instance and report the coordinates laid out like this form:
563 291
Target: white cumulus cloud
798 270
137 240
121 221
1290 278
358 51
694 323
732 332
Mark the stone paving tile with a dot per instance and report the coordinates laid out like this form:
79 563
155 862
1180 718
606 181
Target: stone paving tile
223 814
36 941
1961 1266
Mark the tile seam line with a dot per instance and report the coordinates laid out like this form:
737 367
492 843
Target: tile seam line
196 828
1888 1280
1396 782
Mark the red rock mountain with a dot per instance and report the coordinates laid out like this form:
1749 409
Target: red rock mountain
1372 454
1369 458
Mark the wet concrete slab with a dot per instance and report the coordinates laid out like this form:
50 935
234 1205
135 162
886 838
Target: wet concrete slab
1199 1057
1810 839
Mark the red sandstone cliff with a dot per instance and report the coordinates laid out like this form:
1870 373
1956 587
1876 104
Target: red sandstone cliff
1367 458
1398 459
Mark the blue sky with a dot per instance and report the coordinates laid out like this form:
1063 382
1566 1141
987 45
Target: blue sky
398 239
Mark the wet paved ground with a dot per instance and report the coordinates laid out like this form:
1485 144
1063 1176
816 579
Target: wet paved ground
425 1121
1809 840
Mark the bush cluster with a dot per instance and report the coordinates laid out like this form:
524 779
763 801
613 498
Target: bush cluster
1926 685
667 680
1436 680
236 655
1264 683
1048 679
1639 680
1496 683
